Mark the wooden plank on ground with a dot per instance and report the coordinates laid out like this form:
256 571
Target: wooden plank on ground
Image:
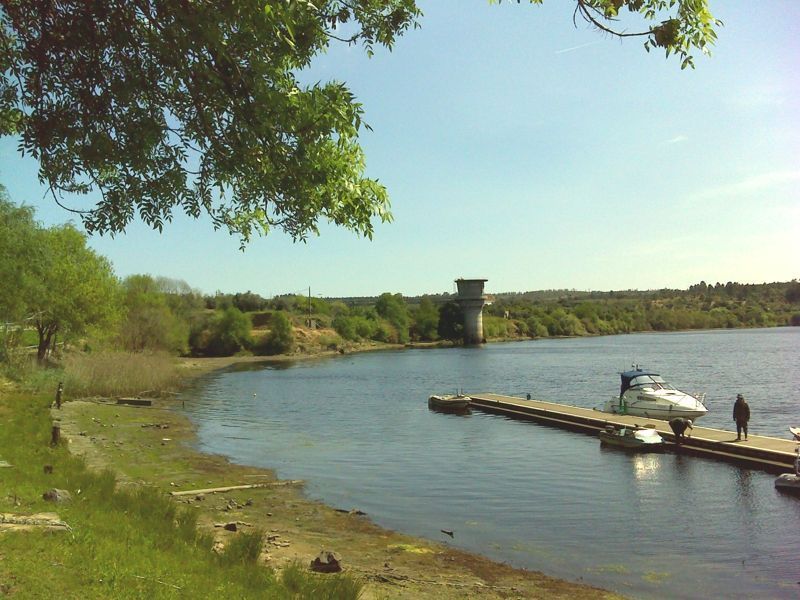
231 488
134 401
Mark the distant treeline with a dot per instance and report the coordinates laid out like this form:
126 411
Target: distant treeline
702 306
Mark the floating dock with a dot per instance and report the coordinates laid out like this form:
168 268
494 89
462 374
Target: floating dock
769 453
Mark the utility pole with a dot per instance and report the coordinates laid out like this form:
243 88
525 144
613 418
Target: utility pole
309 307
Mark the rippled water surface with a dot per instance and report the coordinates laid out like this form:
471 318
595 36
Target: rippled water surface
358 430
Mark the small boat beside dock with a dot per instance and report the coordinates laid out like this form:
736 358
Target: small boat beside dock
639 439
790 482
768 453
449 402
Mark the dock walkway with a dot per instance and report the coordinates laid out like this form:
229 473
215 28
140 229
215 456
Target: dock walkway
772 454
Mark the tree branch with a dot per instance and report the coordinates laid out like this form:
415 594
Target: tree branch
585 11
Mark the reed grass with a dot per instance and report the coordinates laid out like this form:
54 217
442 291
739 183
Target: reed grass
244 548
104 373
299 583
119 373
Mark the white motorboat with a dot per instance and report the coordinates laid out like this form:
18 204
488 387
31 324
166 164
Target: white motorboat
642 439
645 394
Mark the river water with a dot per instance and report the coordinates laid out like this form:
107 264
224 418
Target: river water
357 428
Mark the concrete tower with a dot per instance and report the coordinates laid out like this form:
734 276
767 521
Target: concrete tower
471 300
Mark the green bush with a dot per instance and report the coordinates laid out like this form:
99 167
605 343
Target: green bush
244 547
346 327
225 333
281 336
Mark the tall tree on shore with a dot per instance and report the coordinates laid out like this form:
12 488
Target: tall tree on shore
163 105
149 323
281 335
75 288
393 308
451 322
426 320
18 231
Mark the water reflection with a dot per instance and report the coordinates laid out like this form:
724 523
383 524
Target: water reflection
645 466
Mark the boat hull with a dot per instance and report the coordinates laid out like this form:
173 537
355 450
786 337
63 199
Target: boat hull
657 406
639 441
788 482
663 414
448 402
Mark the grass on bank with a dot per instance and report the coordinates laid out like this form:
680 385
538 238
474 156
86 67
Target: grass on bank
125 542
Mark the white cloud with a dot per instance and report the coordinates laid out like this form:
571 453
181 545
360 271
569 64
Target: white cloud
677 139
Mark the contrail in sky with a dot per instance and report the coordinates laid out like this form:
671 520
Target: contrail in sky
577 47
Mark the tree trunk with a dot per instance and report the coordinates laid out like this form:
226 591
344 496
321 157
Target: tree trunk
45 337
55 435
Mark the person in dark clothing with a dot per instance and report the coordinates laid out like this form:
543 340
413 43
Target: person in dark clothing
741 414
679 426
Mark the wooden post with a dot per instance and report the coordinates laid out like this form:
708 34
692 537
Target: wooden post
55 435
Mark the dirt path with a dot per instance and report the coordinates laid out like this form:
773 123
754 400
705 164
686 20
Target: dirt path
152 446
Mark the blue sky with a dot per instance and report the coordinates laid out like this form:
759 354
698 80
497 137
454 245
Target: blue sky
521 149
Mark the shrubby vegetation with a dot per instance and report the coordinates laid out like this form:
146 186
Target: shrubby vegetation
281 336
224 332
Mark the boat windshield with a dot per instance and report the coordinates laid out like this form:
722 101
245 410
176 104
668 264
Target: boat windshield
652 381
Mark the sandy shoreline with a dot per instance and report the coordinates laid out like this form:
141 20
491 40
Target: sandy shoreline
153 446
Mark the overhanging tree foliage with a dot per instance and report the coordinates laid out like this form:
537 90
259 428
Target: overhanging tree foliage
195 105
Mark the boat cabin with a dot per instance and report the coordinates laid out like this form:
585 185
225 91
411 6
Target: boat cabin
639 379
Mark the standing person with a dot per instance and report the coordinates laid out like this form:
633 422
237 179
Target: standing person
679 426
741 414
59 391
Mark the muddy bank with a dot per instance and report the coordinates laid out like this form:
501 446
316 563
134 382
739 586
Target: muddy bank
153 446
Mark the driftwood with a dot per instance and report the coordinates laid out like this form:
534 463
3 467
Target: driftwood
352 511
25 522
230 488
177 587
134 401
